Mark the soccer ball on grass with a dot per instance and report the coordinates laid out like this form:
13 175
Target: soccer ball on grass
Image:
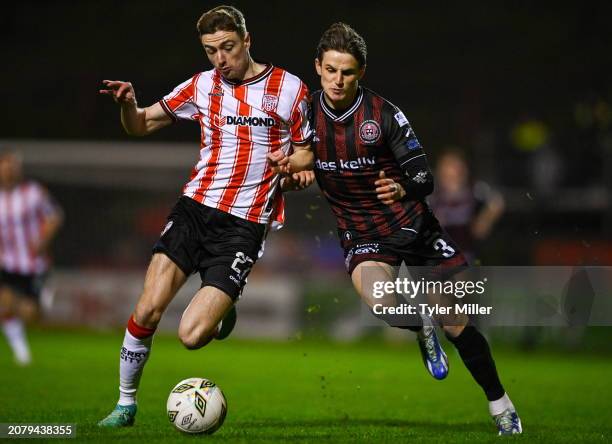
196 405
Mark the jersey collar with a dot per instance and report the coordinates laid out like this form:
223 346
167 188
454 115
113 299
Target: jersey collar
348 113
262 75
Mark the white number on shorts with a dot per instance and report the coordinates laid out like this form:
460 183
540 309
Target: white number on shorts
440 245
241 260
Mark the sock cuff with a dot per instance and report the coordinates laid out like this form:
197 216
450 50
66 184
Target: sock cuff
137 331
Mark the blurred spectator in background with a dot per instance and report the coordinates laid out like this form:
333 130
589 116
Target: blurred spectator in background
29 220
466 209
540 166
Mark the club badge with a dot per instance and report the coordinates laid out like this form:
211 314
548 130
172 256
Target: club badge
269 103
369 132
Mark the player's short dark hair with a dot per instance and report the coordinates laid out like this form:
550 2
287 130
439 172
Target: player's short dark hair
342 38
222 18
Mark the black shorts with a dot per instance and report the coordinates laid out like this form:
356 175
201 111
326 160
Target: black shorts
29 286
221 247
422 244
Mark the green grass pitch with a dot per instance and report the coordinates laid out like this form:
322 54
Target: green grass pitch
301 391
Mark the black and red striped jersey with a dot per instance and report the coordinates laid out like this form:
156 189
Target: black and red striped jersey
351 148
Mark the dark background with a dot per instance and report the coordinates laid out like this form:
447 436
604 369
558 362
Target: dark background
453 68
465 74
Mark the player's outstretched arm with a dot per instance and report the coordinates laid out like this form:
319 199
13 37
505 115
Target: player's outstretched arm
136 121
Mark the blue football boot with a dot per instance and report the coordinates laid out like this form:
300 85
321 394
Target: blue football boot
434 358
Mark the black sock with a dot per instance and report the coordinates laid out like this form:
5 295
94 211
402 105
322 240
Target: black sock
476 355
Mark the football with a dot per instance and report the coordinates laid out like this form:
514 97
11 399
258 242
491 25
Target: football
196 405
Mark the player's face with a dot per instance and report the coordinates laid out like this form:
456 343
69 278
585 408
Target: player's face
340 74
10 170
228 53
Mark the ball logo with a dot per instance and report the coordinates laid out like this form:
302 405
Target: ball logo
186 420
269 103
369 131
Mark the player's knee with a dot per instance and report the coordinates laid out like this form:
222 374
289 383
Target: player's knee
193 340
29 313
455 328
148 315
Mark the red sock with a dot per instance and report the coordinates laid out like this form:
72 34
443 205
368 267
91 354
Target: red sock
137 331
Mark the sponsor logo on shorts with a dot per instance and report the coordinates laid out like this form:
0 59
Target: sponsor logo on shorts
369 132
367 248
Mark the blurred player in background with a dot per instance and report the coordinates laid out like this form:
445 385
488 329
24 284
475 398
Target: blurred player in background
467 210
246 111
373 171
29 221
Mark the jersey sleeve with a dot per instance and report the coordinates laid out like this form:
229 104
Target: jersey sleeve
179 104
412 160
301 129
46 206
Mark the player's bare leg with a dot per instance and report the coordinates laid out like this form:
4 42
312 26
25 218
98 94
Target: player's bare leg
476 355
364 276
201 319
163 279
13 326
28 310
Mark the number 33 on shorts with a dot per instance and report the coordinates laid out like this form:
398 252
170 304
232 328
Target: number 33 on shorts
441 245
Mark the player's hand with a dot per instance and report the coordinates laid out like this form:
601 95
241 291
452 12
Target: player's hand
297 181
121 92
387 190
279 162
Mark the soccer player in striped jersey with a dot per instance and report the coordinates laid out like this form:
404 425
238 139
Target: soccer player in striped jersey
29 221
247 111
373 171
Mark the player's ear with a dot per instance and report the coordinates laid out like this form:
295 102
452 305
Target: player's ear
362 72
247 40
318 66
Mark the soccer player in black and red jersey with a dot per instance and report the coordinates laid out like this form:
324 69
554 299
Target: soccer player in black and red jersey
373 171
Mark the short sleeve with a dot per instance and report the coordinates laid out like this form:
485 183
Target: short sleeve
301 129
179 104
45 204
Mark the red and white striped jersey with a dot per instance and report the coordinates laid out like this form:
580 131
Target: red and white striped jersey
240 124
23 210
